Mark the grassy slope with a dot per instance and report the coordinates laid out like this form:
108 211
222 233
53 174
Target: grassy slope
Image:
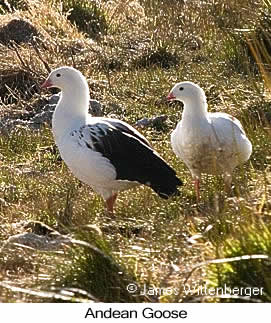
144 50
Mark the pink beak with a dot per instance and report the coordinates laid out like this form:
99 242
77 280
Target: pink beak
46 84
171 97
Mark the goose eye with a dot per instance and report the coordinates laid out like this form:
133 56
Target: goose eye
58 75
181 88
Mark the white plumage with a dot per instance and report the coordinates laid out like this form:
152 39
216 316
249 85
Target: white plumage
212 143
107 154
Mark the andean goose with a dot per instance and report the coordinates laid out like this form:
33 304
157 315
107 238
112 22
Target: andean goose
107 154
212 143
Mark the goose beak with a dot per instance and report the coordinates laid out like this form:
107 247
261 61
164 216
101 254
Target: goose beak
46 84
171 97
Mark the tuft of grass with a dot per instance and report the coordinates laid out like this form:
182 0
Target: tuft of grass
93 269
88 16
159 57
16 32
252 240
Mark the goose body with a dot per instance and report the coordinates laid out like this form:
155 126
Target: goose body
212 143
107 154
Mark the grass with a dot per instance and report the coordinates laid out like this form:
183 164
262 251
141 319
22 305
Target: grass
243 272
86 15
132 53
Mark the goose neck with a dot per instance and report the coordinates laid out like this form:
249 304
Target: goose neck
71 113
195 109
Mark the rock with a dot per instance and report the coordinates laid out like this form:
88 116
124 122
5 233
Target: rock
40 237
44 117
152 122
54 99
95 108
144 122
38 242
39 228
28 121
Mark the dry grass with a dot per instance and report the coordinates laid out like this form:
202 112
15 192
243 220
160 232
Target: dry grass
145 48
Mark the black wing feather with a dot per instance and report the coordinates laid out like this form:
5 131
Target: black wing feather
133 158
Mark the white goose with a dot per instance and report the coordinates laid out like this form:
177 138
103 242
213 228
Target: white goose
107 154
212 143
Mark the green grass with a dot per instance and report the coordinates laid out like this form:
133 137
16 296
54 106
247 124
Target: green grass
86 15
132 55
254 240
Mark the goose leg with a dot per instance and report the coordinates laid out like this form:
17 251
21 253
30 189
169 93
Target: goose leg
110 203
228 180
197 186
